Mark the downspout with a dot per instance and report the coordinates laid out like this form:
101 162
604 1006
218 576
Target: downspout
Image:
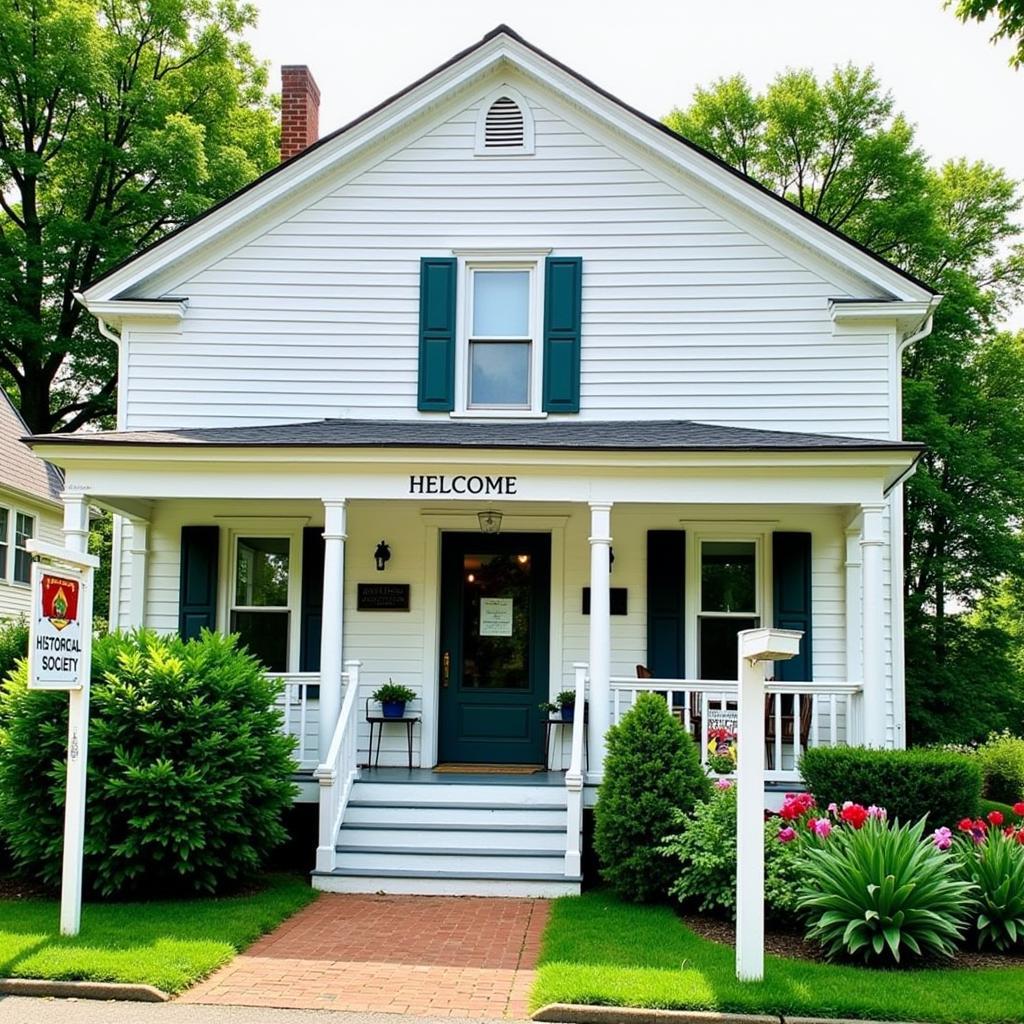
101 323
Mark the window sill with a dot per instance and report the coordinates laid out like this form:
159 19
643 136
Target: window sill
497 414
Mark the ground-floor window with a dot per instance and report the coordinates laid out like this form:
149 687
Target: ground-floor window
730 589
260 598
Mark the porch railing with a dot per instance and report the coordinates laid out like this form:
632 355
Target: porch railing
338 770
574 778
300 707
797 716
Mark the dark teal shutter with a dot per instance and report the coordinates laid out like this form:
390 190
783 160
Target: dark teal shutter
437 333
312 606
197 592
563 303
791 566
666 561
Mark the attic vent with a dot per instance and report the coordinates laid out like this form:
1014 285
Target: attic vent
504 128
504 125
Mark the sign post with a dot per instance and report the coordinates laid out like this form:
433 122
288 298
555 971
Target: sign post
60 658
756 646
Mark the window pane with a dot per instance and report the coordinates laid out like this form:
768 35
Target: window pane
266 636
501 304
261 574
500 373
4 523
23 529
728 577
719 652
496 648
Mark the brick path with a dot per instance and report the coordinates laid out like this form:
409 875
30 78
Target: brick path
449 956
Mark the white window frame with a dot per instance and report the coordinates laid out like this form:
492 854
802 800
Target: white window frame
470 262
7 540
14 548
294 605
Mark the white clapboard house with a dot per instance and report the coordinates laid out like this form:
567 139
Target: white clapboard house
501 390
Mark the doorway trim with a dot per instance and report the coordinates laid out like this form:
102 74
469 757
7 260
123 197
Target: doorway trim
438 521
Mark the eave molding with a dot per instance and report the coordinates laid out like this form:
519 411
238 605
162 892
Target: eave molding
117 311
907 315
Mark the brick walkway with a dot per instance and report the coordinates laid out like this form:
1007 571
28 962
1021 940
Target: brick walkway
449 956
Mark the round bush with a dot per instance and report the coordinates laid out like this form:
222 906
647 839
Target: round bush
188 776
13 644
1001 758
652 770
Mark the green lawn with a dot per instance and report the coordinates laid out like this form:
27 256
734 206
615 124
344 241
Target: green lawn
168 944
601 951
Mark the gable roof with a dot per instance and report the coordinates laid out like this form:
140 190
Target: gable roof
515 49
20 470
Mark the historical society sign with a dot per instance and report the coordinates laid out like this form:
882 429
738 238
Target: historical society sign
55 644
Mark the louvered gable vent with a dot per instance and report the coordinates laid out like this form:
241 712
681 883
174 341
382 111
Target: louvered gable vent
504 127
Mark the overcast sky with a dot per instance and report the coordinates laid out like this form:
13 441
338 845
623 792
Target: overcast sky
946 77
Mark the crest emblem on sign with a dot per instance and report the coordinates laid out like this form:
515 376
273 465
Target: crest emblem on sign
60 600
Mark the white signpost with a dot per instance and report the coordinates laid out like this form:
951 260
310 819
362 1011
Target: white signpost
60 657
756 646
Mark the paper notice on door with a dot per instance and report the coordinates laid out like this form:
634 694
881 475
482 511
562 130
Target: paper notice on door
495 616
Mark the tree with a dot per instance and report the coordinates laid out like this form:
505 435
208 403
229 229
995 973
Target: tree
839 150
119 120
1009 17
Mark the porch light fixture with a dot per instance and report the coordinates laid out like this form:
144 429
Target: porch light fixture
490 521
382 555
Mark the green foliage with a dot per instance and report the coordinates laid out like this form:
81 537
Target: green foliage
188 769
389 691
839 150
910 784
651 771
1009 15
995 868
880 892
119 120
703 847
13 644
1002 767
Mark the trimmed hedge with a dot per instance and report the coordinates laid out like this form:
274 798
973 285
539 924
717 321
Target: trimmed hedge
1002 767
908 783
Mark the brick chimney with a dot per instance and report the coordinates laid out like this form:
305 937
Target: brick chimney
300 110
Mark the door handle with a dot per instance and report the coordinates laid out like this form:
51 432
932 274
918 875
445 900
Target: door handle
446 668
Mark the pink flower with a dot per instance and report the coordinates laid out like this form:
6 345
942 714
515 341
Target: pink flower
723 784
877 812
942 838
823 827
787 834
833 808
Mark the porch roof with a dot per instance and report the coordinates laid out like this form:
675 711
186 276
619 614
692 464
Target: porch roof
578 435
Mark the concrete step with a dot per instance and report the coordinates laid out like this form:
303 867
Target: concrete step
521 837
442 883
387 860
453 815
468 794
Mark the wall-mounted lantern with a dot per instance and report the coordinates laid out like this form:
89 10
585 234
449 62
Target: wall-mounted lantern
490 522
382 555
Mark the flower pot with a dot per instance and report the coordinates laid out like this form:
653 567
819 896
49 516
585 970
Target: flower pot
567 712
392 708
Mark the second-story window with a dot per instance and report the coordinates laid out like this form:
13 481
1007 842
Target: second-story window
5 525
501 343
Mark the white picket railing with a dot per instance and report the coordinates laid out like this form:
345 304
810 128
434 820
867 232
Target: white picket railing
574 778
797 715
300 708
338 770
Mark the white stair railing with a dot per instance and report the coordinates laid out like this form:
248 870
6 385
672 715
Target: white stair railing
338 771
574 779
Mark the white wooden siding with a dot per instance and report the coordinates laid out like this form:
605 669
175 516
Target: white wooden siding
16 598
686 314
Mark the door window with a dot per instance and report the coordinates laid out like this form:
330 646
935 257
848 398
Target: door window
260 613
729 603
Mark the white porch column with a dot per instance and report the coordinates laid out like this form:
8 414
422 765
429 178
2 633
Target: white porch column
331 627
854 662
76 537
871 543
600 630
139 550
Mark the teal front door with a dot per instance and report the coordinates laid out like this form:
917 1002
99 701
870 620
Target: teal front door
495 615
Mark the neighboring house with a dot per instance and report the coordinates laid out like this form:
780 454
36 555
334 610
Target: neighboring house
30 506
500 390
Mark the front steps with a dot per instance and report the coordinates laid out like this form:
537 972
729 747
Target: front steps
461 835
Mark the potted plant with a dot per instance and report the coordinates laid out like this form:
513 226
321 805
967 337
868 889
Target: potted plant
392 698
564 703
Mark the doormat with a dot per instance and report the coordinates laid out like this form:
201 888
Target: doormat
488 769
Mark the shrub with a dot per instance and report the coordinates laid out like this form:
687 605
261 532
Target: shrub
877 892
188 771
910 783
13 644
652 770
704 850
1001 758
993 862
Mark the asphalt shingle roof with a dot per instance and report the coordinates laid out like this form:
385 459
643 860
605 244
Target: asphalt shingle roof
615 435
20 470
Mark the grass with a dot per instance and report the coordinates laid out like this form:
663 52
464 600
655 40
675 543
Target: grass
169 944
601 951
1005 809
